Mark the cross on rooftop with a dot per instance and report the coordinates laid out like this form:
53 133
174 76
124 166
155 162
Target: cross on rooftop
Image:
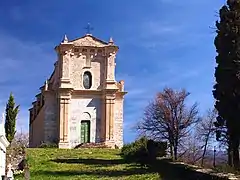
89 28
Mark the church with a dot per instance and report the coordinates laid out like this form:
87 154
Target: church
81 102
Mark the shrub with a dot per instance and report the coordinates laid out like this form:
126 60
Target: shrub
143 151
48 145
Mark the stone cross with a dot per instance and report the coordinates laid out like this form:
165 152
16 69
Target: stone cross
89 28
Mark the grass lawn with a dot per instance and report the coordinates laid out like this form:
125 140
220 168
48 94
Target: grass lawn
55 164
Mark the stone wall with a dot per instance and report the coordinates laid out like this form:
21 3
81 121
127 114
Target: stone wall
118 123
77 69
50 119
37 129
182 171
84 109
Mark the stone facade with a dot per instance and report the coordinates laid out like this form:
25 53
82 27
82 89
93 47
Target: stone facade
84 109
81 102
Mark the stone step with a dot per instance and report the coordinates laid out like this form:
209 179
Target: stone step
91 145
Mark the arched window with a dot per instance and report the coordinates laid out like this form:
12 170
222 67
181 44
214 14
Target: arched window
87 80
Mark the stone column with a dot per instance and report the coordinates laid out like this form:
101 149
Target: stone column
64 101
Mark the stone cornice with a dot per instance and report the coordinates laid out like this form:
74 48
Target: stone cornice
121 94
4 140
39 94
87 92
34 102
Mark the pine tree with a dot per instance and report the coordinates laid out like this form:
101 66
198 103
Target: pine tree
10 121
227 73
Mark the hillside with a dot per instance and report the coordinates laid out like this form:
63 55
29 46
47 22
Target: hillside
56 164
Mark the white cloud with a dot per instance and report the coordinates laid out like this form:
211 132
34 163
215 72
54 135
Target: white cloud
155 29
24 67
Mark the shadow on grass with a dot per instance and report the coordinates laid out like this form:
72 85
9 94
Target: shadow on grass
98 173
130 170
101 162
163 167
170 171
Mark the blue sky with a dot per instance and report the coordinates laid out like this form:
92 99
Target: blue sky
162 43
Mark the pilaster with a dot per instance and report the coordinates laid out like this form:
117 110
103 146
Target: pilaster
64 51
103 119
110 66
109 119
64 105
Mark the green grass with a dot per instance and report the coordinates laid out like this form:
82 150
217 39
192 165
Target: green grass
56 164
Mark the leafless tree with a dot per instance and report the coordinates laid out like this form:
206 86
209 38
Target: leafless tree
192 151
206 131
168 118
16 152
21 139
195 146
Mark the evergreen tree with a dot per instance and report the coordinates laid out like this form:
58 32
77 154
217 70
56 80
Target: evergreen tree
227 73
10 121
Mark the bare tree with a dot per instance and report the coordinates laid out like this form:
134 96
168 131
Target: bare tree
192 151
16 152
21 139
168 118
206 131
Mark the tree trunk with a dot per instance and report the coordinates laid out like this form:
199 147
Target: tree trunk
171 151
175 152
229 157
235 149
204 150
229 151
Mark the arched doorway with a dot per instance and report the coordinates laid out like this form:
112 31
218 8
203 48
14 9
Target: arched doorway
85 131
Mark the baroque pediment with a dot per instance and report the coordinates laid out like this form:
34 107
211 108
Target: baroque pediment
89 40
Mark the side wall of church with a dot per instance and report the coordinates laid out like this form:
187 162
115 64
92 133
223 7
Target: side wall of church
77 70
37 129
118 122
84 109
50 122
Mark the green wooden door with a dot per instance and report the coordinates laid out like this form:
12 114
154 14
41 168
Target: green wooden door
85 131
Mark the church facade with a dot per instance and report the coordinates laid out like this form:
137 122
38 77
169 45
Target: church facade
81 102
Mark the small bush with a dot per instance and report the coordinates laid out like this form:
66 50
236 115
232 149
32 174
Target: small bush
225 168
48 145
143 151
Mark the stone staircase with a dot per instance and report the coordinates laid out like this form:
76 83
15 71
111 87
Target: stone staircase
91 145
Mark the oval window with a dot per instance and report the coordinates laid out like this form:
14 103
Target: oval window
87 80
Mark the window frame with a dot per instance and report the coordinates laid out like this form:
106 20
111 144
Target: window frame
91 80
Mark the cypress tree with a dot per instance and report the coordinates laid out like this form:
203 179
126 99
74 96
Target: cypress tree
227 74
10 121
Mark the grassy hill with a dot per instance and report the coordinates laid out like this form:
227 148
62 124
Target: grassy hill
56 164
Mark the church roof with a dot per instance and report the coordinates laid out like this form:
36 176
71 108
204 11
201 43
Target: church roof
89 40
